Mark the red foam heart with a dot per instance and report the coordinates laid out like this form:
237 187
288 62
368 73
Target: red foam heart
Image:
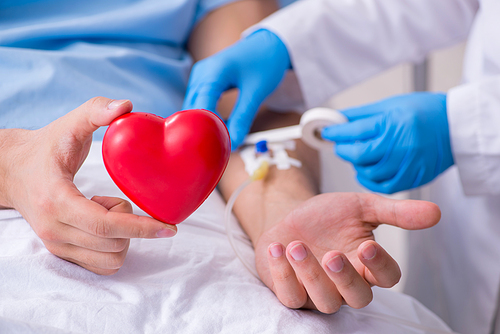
168 167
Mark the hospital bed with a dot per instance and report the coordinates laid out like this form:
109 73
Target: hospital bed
192 283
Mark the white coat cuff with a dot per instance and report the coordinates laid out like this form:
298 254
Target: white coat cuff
478 168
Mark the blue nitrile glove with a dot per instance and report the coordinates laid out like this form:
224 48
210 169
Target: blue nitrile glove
255 65
395 144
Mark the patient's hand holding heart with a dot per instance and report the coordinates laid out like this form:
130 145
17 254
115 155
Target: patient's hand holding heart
37 168
168 167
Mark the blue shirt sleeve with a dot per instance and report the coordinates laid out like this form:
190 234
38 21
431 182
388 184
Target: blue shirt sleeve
206 6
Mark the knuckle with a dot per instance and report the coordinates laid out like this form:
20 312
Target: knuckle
115 261
391 188
197 68
369 174
363 302
408 116
391 281
357 154
120 245
53 248
343 150
89 260
330 308
46 205
205 68
47 234
282 276
100 228
386 191
96 101
126 207
293 301
104 262
348 153
138 231
311 275
105 272
349 283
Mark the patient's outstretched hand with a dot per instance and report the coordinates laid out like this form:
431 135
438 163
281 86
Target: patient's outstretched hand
36 178
323 254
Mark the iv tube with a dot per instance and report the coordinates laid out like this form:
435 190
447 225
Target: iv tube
229 232
259 174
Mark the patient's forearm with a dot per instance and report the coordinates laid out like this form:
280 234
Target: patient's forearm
223 26
264 203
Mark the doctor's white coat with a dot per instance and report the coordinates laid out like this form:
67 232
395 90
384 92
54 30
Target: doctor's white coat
455 266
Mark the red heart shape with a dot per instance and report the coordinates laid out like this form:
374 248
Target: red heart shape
168 167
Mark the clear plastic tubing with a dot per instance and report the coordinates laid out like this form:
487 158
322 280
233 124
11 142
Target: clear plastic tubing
229 231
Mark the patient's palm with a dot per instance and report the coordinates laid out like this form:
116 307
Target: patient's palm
342 221
326 222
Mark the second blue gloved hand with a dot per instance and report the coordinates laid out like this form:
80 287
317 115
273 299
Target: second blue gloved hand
396 144
255 65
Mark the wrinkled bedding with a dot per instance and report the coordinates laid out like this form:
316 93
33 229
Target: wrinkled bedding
192 283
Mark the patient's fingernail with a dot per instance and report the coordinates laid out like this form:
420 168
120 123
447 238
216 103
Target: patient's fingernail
166 233
336 264
298 252
369 252
115 104
276 250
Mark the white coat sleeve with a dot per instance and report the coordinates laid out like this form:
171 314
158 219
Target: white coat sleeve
334 44
473 117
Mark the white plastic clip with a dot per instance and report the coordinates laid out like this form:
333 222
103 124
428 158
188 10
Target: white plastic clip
277 155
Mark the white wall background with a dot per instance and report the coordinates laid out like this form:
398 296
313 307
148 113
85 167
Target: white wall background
443 72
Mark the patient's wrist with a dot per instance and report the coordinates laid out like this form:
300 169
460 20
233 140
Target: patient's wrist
284 191
11 140
264 203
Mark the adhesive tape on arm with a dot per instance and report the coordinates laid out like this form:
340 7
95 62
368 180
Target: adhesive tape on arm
313 121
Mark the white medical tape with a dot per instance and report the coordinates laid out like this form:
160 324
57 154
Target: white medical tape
309 129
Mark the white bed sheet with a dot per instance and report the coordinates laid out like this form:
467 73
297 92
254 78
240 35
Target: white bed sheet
192 283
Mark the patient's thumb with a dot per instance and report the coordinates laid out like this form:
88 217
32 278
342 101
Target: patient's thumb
96 112
416 214
114 204
407 214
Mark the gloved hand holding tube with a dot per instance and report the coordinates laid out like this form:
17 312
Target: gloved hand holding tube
396 144
255 65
